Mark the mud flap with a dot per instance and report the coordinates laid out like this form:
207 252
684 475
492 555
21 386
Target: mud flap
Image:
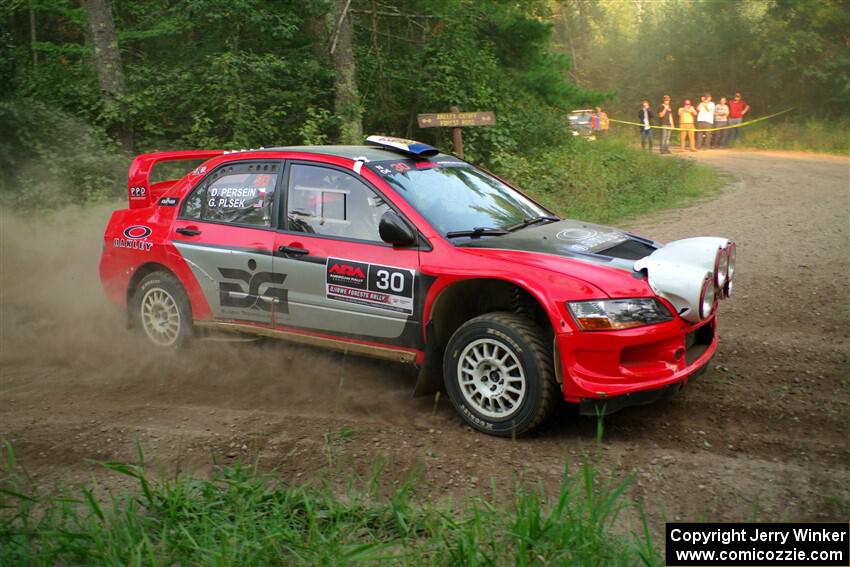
429 381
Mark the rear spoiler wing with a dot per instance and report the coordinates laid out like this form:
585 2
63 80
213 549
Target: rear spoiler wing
140 192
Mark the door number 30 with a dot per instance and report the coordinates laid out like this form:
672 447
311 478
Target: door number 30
393 281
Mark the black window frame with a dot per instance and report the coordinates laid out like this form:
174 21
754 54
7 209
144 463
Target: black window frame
276 206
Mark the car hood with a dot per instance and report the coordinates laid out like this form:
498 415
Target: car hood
573 239
600 255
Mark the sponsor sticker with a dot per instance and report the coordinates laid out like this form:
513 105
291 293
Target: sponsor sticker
576 234
384 287
261 291
138 193
389 169
584 239
135 238
168 202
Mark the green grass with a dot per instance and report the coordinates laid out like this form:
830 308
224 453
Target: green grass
811 135
242 517
608 180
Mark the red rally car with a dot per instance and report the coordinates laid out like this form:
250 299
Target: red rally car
396 251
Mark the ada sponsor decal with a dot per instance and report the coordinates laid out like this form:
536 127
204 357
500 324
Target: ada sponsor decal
383 287
347 273
135 238
261 291
168 202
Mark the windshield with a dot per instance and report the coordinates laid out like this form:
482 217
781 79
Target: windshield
454 196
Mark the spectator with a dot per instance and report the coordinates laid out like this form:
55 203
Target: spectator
665 115
737 110
687 113
599 122
645 117
705 121
721 117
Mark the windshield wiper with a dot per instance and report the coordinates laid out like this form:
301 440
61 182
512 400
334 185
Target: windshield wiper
533 220
477 232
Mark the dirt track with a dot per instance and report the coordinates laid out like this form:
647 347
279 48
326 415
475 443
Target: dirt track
764 434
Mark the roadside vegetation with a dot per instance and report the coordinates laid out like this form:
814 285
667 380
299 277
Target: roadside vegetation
242 517
809 135
608 180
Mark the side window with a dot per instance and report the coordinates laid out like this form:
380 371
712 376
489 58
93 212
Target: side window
238 194
329 202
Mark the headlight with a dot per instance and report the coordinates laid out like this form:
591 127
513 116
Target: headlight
730 250
612 314
706 298
721 268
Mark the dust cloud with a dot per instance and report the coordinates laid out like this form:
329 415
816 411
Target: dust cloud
56 324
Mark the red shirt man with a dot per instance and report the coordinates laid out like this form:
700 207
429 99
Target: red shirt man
738 107
737 110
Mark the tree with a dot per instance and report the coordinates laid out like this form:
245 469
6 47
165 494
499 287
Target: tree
347 99
110 71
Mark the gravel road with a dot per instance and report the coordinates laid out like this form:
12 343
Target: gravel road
764 434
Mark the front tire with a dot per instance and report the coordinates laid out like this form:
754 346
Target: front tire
160 310
498 373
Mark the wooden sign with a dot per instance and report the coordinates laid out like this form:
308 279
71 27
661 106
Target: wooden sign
456 119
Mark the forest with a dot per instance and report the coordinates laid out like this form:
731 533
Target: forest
87 83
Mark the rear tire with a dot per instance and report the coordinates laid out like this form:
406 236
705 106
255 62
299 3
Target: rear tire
498 374
160 311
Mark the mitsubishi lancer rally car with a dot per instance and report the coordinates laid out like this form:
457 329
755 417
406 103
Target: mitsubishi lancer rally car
396 251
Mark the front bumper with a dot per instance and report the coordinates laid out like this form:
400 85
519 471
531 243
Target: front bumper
651 360
607 406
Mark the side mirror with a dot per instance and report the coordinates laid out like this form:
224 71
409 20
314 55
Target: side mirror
394 230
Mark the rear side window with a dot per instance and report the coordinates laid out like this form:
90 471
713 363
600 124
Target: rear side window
329 202
237 194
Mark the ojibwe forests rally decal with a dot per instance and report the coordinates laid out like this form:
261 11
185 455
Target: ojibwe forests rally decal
383 287
135 238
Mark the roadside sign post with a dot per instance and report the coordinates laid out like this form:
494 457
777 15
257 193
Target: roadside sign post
455 119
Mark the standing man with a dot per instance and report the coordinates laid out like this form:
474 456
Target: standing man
687 113
705 121
665 115
721 117
645 117
737 110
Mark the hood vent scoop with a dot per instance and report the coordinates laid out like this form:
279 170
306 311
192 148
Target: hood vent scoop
630 249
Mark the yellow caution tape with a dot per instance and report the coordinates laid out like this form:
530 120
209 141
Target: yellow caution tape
704 129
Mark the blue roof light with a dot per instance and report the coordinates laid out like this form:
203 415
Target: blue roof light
410 147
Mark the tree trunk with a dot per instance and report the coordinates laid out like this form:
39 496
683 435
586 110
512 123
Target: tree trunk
347 100
33 37
110 72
